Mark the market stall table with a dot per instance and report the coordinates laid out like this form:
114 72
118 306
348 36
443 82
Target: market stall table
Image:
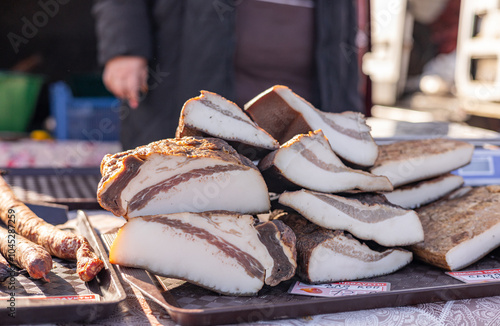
139 309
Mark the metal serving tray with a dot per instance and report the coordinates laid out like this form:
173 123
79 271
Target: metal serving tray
73 187
64 282
189 304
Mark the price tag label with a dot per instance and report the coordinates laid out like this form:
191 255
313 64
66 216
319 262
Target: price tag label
338 289
85 297
488 275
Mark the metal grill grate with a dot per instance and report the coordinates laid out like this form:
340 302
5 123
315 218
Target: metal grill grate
75 188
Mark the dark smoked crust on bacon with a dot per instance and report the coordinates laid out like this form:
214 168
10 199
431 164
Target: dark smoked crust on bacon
453 220
190 147
118 169
415 148
276 116
108 199
26 255
273 176
273 114
309 236
59 243
185 131
276 236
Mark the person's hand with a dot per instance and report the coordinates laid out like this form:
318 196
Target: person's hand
125 77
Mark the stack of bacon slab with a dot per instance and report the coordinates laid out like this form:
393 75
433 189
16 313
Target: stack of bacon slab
324 184
348 200
314 171
419 169
186 201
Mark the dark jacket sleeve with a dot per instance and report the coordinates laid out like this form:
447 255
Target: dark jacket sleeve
337 56
123 27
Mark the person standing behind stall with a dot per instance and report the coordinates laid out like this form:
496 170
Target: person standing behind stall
158 54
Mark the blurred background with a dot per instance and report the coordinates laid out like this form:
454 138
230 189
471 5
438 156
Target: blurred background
429 67
435 61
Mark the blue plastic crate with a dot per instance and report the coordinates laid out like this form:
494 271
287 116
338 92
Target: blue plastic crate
84 118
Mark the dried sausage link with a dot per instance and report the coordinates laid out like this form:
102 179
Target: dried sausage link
59 243
25 254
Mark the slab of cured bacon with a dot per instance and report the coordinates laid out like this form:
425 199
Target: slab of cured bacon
307 161
211 115
408 161
366 216
181 175
325 255
423 192
461 228
284 114
222 251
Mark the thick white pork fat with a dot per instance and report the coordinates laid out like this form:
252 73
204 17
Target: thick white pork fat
307 161
218 250
181 175
284 114
325 256
366 216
